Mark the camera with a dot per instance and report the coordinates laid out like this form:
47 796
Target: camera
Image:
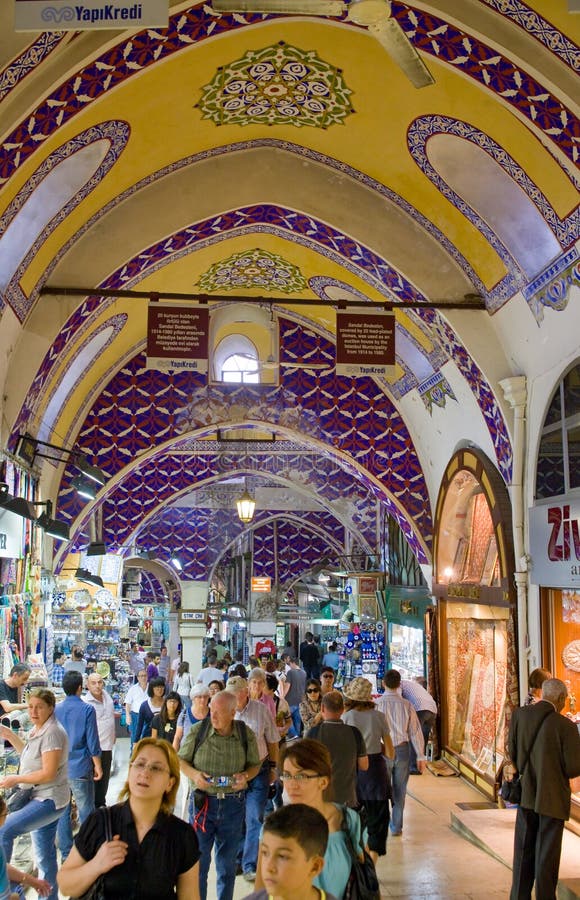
221 781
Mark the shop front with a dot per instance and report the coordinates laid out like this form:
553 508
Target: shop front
406 645
555 551
473 583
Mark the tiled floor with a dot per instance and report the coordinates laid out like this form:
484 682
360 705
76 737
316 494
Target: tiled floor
433 860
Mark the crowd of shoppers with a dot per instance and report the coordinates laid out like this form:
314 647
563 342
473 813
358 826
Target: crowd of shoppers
241 745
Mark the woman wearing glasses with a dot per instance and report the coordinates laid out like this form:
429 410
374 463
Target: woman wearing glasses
306 773
309 707
153 854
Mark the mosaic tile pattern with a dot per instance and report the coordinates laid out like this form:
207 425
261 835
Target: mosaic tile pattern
30 58
345 250
253 268
565 231
285 542
551 288
546 33
117 134
433 35
277 85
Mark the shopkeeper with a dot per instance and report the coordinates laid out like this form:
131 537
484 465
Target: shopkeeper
9 687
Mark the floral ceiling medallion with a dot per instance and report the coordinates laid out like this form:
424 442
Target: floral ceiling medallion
253 268
278 85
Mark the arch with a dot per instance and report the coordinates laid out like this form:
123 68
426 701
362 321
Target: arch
558 454
59 184
512 85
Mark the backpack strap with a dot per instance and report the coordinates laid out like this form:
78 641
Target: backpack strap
242 730
200 737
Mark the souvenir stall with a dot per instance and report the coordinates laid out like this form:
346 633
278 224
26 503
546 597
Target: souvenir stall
21 588
361 631
474 585
91 616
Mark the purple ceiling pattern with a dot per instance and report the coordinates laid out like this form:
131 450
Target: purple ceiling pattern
436 37
294 546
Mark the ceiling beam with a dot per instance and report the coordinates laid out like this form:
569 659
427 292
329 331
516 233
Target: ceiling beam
470 301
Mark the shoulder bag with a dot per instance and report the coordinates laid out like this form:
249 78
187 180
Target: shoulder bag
511 791
17 797
97 888
363 883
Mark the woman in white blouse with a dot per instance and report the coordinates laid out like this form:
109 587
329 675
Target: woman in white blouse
44 767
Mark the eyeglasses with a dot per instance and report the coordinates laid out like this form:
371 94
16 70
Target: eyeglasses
286 776
313 691
141 766
328 676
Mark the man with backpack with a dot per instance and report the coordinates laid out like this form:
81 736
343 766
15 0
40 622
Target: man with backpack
220 757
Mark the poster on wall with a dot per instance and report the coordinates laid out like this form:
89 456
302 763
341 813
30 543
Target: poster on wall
555 544
177 337
66 15
365 342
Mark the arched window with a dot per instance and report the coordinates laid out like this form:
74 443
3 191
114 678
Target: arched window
235 360
558 470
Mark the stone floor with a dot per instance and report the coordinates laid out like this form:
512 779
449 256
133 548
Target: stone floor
445 852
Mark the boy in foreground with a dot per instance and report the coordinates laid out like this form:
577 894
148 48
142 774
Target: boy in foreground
292 849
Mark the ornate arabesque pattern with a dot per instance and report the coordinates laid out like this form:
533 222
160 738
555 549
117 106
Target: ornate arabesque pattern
348 252
429 33
30 58
284 549
251 269
528 19
551 288
277 85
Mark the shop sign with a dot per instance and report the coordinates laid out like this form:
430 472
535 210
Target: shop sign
190 615
11 530
261 585
365 343
555 544
85 15
177 337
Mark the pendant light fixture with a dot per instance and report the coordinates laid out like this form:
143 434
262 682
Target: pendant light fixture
246 506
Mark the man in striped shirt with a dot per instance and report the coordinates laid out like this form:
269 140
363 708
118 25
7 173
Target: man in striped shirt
405 731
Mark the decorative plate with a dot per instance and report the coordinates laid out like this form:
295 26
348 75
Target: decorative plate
104 669
380 627
105 598
571 656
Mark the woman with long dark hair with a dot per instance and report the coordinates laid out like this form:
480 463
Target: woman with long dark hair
183 683
164 723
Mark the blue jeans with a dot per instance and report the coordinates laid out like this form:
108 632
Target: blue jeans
399 772
427 721
295 729
220 823
256 797
40 817
83 790
133 728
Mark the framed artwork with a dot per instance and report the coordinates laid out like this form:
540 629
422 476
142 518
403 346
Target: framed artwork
367 584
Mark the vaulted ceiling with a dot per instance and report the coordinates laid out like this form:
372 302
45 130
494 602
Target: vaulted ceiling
189 158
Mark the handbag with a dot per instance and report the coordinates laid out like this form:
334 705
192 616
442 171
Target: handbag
363 883
97 888
17 797
511 791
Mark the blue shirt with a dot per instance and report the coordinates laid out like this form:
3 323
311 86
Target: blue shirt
80 723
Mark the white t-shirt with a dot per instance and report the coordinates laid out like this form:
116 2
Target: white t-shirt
209 674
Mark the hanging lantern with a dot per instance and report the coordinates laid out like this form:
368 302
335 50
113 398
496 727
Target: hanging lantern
246 506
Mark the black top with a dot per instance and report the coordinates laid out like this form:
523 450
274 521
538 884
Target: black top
8 693
151 869
165 732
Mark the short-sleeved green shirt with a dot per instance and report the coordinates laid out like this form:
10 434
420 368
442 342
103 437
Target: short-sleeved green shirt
220 755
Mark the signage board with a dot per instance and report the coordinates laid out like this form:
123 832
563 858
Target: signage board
192 615
365 342
555 543
177 337
261 585
85 15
